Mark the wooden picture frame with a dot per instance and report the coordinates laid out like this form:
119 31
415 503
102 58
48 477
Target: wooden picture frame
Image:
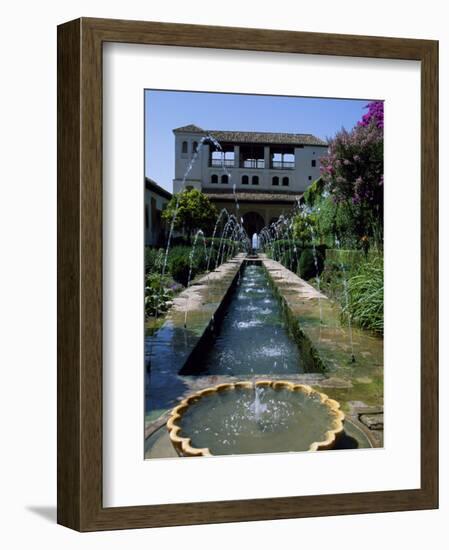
80 504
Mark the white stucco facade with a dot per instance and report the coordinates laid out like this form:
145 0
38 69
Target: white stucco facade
253 166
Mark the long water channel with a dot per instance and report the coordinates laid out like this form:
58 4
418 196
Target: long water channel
252 337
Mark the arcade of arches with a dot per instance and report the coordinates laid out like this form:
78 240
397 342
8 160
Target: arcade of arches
253 222
255 215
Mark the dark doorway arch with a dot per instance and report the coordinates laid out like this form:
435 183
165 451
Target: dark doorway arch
253 222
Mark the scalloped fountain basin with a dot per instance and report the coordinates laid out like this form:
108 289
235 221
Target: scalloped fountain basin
243 418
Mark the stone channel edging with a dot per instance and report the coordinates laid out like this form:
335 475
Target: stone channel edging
318 321
202 300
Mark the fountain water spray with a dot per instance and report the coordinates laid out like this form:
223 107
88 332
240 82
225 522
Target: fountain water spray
205 139
199 233
346 293
172 224
223 211
257 407
317 272
231 221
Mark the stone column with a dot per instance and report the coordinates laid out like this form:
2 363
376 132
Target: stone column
236 156
205 152
266 156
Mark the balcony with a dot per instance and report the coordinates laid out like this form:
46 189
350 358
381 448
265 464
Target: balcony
258 164
282 165
219 163
252 163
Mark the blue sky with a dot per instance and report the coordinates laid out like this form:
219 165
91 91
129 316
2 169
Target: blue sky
165 110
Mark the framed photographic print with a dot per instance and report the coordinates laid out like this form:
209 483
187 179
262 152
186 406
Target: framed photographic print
247 289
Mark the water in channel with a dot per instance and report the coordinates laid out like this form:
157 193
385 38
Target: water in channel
252 338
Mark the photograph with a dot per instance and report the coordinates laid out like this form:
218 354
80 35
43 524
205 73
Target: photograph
232 332
264 313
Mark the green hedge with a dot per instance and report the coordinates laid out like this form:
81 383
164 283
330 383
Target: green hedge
178 261
290 252
308 268
349 258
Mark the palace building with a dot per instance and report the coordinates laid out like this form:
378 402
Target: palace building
270 171
156 200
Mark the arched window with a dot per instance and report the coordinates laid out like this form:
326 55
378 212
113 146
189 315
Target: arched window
255 180
245 180
225 178
214 178
275 180
285 181
184 147
194 147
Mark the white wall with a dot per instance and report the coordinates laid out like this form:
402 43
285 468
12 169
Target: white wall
304 168
28 278
182 161
200 173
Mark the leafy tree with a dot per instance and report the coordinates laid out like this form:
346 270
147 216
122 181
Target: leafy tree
194 211
336 219
313 193
304 226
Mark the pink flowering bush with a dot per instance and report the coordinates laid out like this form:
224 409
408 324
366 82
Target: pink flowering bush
374 115
353 172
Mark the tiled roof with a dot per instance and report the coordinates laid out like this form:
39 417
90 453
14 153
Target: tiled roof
255 197
190 128
279 138
151 185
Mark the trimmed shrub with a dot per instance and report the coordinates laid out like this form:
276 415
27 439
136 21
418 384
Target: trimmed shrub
179 262
179 268
288 253
289 257
307 267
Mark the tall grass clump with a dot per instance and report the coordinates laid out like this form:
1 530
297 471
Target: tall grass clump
366 295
